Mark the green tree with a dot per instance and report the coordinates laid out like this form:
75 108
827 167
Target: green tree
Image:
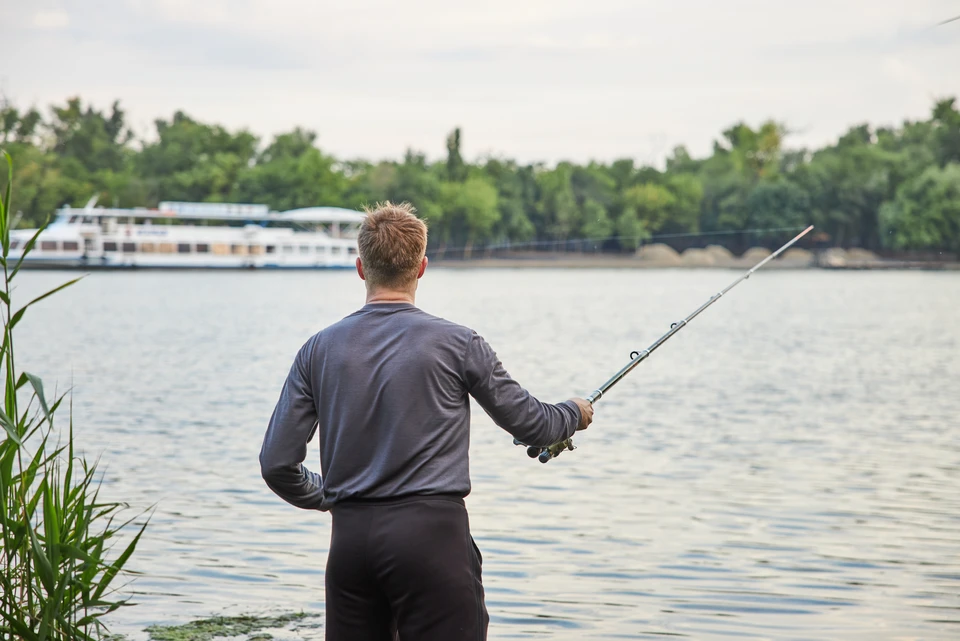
471 208
847 184
631 230
684 213
17 128
515 188
777 203
926 211
596 223
194 162
946 123
557 203
95 141
456 170
291 173
748 180
651 203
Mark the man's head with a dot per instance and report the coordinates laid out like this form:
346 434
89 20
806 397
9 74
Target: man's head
392 244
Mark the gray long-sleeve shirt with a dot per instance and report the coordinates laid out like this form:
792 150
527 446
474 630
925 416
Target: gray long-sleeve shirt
387 390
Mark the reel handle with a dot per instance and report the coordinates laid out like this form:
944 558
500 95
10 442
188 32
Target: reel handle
550 452
546 454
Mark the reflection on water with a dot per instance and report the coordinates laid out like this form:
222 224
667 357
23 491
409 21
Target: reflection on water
787 467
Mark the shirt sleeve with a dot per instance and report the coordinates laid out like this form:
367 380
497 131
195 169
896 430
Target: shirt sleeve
292 426
513 408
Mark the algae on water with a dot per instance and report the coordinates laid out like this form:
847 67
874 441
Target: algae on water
216 627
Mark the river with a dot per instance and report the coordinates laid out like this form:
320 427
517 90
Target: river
787 467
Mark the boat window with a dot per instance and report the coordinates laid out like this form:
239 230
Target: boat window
221 249
304 249
271 249
14 244
73 219
351 251
88 219
288 249
70 246
255 250
238 249
148 248
203 248
129 247
48 245
166 248
109 246
183 248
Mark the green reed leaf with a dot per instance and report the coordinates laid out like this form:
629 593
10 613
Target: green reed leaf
20 628
20 312
111 572
10 428
27 248
41 563
5 205
51 523
37 385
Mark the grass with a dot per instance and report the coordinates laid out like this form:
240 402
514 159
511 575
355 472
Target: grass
57 563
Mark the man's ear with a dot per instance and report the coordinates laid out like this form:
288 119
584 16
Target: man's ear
360 269
423 267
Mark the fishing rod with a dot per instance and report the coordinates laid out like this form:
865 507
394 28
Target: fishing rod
545 454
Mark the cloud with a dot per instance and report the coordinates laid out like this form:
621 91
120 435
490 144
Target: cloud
51 20
534 79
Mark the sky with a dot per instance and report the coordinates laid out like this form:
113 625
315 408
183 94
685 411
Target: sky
532 80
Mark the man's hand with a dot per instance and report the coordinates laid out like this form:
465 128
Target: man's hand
586 412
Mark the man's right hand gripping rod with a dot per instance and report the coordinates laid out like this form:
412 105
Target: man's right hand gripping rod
545 454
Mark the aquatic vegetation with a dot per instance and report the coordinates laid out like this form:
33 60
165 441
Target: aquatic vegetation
208 629
56 571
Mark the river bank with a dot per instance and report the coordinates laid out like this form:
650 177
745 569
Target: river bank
659 256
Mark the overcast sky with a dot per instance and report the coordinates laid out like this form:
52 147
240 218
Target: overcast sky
535 80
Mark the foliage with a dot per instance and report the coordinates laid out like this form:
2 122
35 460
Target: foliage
56 577
749 181
926 211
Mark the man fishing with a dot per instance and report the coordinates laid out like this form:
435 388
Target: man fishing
386 390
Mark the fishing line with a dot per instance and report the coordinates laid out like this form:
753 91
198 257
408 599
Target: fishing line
545 454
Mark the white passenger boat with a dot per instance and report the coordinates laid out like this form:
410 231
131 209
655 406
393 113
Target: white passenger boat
194 235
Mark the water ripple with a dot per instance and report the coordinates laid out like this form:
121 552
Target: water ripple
786 469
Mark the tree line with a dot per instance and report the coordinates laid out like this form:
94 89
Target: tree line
877 187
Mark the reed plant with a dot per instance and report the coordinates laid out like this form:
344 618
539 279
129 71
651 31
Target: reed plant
58 561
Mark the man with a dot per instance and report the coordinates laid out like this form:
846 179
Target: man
387 390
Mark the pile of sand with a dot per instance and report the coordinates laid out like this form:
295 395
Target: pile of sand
796 257
858 255
721 255
694 257
755 254
659 255
833 257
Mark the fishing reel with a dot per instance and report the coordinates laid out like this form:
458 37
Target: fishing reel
544 454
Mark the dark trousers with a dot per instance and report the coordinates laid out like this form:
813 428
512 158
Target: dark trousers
406 568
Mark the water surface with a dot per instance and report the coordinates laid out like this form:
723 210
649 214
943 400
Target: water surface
787 467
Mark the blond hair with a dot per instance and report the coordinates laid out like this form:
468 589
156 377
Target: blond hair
392 244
